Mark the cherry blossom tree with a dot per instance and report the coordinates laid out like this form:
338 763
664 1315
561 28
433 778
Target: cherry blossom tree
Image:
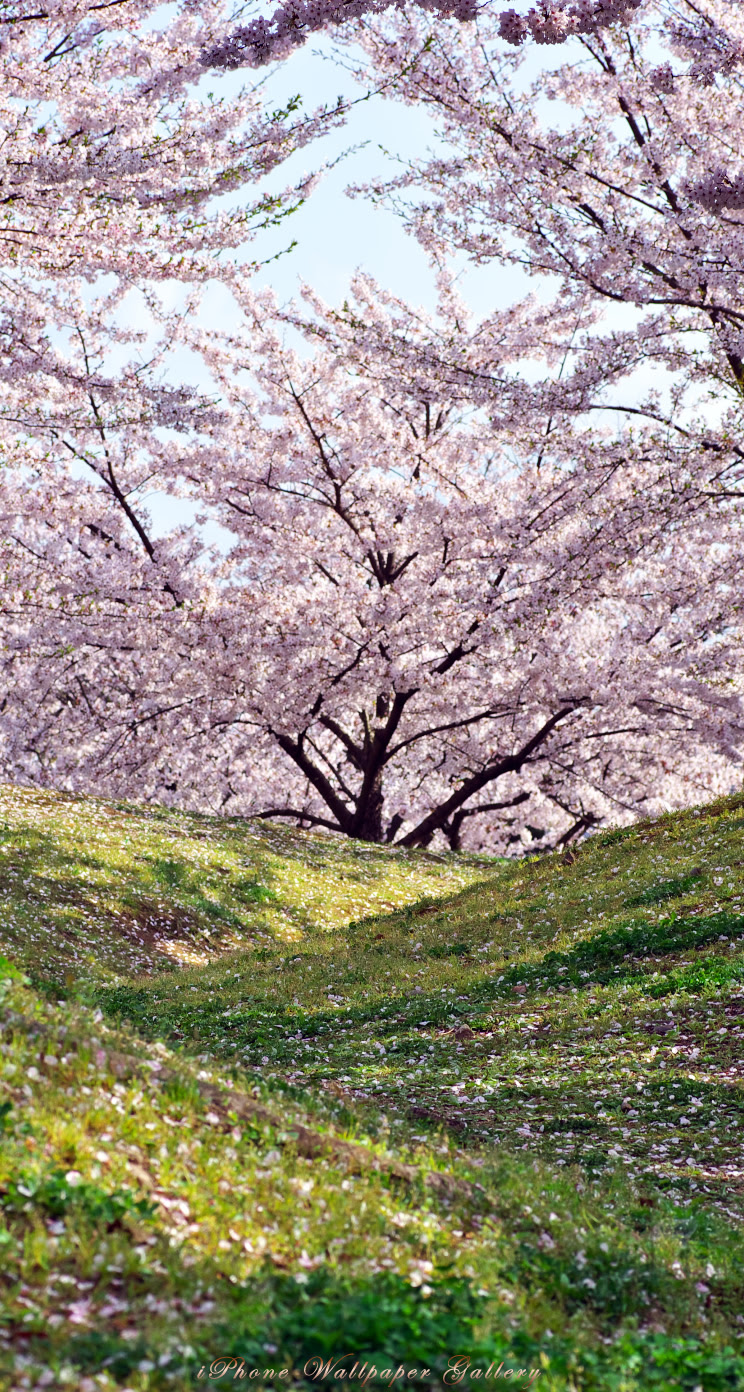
447 600
425 625
710 45
125 182
626 208
126 186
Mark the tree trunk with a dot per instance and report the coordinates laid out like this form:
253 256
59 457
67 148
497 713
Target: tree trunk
368 821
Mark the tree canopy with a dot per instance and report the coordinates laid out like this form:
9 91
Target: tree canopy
477 578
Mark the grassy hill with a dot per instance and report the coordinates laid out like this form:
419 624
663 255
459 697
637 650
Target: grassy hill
274 1097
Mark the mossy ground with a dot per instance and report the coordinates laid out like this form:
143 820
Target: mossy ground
540 1060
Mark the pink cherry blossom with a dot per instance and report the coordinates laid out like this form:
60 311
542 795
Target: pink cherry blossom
475 580
444 613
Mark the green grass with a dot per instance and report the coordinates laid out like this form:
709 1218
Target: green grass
112 889
270 1096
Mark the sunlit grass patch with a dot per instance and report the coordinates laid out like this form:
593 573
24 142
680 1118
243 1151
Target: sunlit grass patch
94 889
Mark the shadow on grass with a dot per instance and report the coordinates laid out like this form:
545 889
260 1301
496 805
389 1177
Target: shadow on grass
618 955
72 901
328 1326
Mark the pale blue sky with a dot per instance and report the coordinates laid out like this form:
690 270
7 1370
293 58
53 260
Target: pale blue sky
338 234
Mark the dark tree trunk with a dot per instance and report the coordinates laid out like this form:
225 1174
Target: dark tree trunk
368 825
453 831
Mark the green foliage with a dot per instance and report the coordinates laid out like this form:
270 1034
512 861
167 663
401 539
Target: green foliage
613 1283
99 1351
380 1318
456 949
8 972
599 958
667 889
251 892
56 1194
676 1365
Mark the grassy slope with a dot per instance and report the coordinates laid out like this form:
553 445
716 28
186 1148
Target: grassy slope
562 1187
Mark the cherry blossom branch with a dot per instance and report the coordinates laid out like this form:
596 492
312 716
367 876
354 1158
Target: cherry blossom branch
512 763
